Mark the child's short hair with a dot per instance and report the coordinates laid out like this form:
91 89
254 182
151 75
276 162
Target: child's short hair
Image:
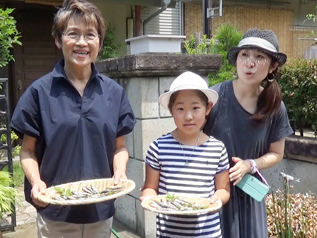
188 81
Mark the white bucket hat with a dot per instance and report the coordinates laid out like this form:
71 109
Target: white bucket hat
188 81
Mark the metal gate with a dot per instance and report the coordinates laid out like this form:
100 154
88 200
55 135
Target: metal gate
5 118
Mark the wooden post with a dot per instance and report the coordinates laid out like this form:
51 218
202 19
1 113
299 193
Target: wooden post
138 20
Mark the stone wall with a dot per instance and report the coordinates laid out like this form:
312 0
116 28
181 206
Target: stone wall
300 161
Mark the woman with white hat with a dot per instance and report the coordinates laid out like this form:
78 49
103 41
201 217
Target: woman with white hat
252 121
186 161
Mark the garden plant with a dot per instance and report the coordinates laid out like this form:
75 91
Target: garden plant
9 36
226 37
192 47
291 215
110 47
298 81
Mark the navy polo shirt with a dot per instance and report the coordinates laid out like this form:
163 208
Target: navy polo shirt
75 135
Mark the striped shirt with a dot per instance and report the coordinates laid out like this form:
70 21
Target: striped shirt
194 179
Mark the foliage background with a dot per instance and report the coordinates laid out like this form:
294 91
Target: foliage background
110 47
227 36
298 81
9 35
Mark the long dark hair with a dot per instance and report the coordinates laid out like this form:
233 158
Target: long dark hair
270 98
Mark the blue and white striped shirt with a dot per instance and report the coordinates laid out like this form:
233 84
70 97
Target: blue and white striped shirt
196 179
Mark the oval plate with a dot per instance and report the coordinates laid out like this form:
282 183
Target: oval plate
211 208
99 184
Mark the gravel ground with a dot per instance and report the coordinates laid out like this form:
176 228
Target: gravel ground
30 231
26 231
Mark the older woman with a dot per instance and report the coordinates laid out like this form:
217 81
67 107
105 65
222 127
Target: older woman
252 121
73 122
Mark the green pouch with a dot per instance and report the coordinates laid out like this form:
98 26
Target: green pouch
253 187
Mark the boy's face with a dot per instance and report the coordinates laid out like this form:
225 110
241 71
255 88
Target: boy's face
189 112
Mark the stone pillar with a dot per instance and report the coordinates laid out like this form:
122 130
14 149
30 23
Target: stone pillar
144 77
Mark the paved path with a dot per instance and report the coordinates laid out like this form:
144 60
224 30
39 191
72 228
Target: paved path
26 226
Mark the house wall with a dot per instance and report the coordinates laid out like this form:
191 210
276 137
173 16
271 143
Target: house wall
303 31
302 39
38 53
117 15
301 10
4 72
243 18
295 35
166 23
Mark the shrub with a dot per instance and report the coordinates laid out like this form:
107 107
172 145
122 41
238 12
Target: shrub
8 194
15 149
18 174
9 35
298 81
192 47
110 47
227 36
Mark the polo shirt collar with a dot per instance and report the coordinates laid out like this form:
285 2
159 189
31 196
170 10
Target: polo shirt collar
59 71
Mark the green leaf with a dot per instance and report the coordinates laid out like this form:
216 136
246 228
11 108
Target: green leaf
170 197
110 47
9 36
298 82
8 194
63 191
59 190
68 192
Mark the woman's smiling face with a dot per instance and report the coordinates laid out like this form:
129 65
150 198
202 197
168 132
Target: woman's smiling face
79 52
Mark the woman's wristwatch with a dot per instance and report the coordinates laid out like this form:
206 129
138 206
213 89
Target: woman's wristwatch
254 166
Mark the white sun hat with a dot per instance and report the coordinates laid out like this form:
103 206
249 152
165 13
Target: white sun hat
188 81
